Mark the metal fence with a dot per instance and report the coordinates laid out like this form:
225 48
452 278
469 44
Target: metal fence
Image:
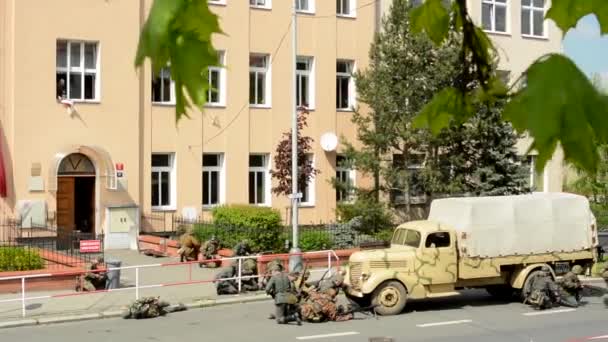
311 236
43 247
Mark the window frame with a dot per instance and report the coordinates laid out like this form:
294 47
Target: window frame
267 81
310 75
266 5
311 7
160 76
531 8
351 176
352 6
265 169
221 169
310 187
172 182
221 70
351 84
82 69
495 3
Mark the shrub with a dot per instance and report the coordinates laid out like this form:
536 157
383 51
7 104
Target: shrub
260 226
314 241
374 216
19 259
344 234
384 235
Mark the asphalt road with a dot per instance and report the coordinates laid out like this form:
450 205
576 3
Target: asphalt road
471 317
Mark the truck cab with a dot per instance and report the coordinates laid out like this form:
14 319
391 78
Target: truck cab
420 263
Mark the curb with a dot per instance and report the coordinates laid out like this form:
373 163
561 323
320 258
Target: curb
118 313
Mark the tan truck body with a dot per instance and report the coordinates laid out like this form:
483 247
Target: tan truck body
425 270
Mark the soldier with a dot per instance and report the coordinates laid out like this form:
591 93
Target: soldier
605 276
92 281
281 290
275 264
242 249
571 287
210 249
544 292
303 289
249 268
224 285
321 307
150 307
336 281
190 247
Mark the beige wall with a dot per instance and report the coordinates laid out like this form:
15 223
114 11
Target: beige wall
126 124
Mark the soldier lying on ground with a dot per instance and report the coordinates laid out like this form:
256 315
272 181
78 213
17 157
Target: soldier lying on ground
210 251
150 307
224 285
92 281
571 287
544 293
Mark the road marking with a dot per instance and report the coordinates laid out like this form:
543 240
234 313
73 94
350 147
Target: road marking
548 312
598 337
426 325
313 337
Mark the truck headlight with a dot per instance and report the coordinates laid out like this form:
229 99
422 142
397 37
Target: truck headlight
365 276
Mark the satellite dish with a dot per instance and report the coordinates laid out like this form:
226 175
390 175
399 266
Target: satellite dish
329 142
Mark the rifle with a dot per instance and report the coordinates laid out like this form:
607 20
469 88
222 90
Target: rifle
592 290
367 310
302 281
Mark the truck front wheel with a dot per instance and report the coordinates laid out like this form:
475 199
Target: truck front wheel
389 298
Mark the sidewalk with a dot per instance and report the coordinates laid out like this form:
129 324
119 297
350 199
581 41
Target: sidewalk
74 304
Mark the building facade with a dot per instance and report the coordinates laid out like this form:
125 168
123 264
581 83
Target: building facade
119 144
83 131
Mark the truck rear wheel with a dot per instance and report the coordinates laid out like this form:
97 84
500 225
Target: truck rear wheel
389 298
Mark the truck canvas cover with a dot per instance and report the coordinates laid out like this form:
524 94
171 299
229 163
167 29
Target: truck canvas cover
515 225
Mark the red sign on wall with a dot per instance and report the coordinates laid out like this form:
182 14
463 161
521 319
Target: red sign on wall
120 166
90 246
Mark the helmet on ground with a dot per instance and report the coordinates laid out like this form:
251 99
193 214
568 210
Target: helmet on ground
577 269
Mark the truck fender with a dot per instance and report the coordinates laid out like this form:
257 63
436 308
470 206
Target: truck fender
518 277
413 287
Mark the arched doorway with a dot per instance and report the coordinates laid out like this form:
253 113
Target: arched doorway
75 195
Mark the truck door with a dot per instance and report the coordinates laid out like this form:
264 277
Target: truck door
439 258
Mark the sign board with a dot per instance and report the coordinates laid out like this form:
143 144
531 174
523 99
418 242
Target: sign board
120 166
90 246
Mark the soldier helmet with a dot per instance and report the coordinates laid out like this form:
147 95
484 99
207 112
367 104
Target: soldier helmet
98 260
546 270
577 269
213 238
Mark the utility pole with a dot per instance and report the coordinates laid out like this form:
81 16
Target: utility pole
295 258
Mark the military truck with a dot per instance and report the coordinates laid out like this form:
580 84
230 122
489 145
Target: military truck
495 243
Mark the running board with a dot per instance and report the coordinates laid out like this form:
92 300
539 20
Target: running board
442 294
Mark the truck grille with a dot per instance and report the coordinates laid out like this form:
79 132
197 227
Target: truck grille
355 275
388 264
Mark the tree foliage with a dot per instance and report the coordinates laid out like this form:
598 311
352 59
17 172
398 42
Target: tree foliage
282 159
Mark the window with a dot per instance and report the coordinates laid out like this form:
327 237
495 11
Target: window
407 237
346 8
406 182
260 3
77 71
212 179
307 6
494 15
304 82
163 87
216 95
536 178
345 176
163 180
437 240
532 18
308 193
259 179
345 95
258 80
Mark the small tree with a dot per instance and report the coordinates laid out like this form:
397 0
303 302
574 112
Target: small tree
282 159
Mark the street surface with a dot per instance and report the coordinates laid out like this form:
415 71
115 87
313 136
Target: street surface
473 316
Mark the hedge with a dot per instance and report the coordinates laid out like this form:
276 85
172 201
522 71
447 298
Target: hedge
315 241
19 259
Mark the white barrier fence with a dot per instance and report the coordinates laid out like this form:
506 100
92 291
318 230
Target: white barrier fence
331 256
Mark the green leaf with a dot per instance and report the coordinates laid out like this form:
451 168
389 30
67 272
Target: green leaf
448 104
566 13
178 33
559 105
433 18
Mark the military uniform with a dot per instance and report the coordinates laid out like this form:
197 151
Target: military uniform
93 281
321 307
249 268
190 247
273 265
281 289
226 286
150 307
242 249
544 292
210 249
571 287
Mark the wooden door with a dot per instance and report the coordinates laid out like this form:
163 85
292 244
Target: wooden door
65 210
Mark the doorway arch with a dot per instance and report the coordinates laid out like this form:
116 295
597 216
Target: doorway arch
76 195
